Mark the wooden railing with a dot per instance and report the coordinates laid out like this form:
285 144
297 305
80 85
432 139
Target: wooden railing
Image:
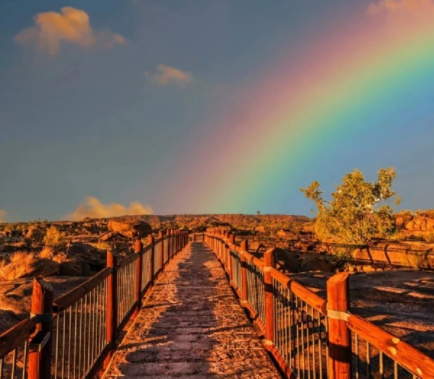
75 335
312 337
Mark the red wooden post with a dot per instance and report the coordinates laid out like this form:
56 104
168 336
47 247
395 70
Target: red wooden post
169 243
112 305
269 303
42 309
151 242
194 237
228 257
162 251
339 334
138 247
244 293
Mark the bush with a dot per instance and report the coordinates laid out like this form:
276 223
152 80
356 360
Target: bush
353 216
54 238
47 252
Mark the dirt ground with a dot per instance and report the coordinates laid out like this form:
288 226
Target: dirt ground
400 301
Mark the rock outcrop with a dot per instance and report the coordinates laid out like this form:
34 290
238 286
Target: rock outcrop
130 228
29 268
285 261
315 263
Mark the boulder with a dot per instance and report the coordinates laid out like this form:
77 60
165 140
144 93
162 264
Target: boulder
402 219
315 263
95 258
109 236
285 261
130 228
29 268
74 267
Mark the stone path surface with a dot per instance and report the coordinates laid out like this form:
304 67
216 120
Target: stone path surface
192 326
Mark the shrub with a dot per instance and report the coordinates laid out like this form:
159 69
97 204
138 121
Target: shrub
23 257
429 237
54 238
47 252
353 215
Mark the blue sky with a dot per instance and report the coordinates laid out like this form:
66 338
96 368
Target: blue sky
109 114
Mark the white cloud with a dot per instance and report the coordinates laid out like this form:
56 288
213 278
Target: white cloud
3 215
70 25
92 207
167 75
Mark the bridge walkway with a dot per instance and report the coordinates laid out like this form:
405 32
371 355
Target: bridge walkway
192 326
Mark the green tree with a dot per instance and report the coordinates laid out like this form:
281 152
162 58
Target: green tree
355 213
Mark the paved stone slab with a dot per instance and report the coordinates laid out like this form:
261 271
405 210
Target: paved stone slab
192 326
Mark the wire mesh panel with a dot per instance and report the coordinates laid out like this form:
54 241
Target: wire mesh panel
368 361
255 289
146 267
80 334
157 255
300 334
126 284
15 364
236 268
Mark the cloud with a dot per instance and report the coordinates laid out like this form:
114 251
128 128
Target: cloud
3 215
166 75
403 10
92 207
70 25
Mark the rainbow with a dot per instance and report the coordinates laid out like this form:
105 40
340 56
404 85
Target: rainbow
346 83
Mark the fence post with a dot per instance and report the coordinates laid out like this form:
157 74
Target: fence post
161 257
151 242
42 308
169 247
269 303
138 249
112 304
227 250
339 335
244 294
178 241
163 240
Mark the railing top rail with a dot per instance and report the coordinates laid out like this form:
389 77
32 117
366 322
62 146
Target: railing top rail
69 298
15 336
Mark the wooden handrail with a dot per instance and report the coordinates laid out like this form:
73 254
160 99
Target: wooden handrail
69 298
15 336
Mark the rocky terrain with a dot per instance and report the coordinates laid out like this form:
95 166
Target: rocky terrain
64 253
67 253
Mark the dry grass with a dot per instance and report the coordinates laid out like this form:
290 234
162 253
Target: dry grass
429 237
3 263
47 252
22 257
102 245
54 238
398 236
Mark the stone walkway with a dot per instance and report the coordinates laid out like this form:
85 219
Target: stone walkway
192 326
